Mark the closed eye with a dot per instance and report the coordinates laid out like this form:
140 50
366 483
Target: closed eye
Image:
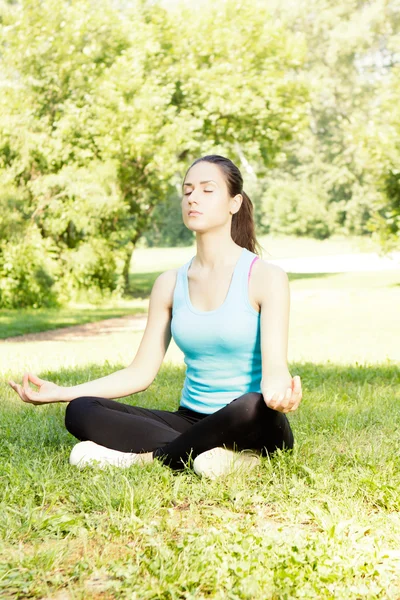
206 191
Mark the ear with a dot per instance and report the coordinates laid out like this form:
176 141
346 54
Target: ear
238 199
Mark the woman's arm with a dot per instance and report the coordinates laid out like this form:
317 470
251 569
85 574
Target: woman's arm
280 391
116 385
137 376
122 383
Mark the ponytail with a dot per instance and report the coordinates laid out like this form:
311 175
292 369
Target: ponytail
243 228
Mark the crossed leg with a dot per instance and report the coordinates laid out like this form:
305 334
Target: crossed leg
245 423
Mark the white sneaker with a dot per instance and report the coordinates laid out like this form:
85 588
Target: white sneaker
219 461
90 453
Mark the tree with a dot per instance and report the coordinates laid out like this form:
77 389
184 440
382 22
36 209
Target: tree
100 121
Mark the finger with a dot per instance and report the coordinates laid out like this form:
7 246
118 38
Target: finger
295 406
18 389
272 401
296 383
280 402
293 402
14 386
27 389
21 393
298 401
286 400
35 379
268 395
297 396
29 393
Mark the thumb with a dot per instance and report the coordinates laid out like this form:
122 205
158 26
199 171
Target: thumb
296 383
35 379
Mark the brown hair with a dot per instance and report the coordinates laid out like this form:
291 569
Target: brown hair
243 228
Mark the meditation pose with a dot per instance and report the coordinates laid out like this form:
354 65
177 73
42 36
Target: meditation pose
228 311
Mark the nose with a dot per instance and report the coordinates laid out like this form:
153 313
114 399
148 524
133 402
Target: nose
192 202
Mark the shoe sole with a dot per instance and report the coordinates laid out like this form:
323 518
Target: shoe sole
225 462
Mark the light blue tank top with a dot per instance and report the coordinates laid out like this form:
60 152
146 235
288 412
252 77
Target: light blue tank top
221 347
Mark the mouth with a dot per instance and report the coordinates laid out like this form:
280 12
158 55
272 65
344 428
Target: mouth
194 213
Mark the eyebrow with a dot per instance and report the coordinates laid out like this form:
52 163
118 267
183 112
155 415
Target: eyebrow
208 181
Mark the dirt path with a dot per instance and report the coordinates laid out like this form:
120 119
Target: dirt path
84 332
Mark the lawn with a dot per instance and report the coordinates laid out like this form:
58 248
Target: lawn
320 522
31 320
146 265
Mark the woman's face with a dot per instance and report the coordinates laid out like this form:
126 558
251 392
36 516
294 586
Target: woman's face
204 190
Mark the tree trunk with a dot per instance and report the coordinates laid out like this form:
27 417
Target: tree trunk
125 272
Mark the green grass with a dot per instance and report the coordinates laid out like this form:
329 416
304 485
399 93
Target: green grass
320 522
22 321
146 265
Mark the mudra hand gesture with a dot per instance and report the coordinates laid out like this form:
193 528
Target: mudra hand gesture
282 392
48 391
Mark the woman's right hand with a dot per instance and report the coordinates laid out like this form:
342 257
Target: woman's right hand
48 391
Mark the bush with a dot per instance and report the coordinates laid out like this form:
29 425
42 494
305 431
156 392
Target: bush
297 207
33 273
358 210
28 272
167 227
385 220
93 266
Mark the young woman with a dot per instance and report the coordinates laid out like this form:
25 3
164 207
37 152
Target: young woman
228 311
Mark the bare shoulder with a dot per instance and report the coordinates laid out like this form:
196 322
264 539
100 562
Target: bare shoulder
263 270
164 286
268 276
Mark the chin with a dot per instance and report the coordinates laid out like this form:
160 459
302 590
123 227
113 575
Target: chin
193 227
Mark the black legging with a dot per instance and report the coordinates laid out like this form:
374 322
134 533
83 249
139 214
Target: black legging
244 423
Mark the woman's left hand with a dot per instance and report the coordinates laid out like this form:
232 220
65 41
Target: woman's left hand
282 392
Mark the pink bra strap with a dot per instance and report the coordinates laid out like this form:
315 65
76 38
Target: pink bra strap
254 260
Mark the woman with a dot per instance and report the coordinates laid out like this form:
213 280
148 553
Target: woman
228 311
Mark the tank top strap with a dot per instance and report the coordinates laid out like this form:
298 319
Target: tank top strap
179 299
242 275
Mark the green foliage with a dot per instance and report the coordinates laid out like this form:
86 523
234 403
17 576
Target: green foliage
383 138
167 228
298 208
106 116
94 265
27 272
99 122
385 222
351 74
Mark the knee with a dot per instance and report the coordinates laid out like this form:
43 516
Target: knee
271 425
247 408
76 415
251 408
